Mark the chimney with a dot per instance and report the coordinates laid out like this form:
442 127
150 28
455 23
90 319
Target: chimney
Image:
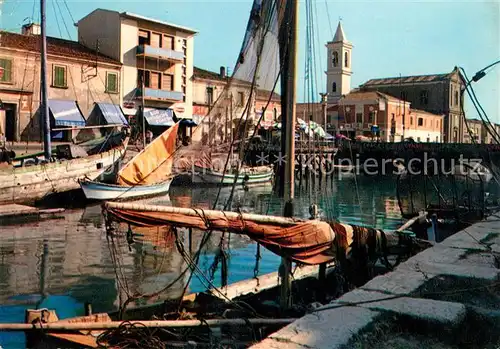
31 29
223 72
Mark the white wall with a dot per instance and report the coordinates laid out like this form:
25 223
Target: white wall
128 53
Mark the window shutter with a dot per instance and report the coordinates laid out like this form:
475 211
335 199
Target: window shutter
6 64
167 83
155 80
112 82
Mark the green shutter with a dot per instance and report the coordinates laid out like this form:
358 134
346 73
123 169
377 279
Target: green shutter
112 82
6 64
59 76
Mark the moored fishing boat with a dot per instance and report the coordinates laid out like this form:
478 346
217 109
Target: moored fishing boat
148 174
32 183
101 191
247 175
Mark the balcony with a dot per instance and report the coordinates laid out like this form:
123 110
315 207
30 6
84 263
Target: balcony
155 94
160 53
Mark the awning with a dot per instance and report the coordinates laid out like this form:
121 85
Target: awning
112 113
159 117
188 123
66 113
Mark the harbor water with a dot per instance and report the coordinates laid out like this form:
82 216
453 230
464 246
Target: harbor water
63 263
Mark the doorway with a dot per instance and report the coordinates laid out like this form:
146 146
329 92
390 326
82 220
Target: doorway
10 122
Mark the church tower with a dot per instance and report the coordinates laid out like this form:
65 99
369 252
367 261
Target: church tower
338 74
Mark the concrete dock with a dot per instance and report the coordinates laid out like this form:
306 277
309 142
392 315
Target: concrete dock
445 297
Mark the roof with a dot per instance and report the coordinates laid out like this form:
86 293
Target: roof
55 46
339 34
420 111
152 20
199 73
264 94
369 95
414 79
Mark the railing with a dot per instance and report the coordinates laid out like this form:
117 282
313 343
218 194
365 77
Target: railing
151 93
158 52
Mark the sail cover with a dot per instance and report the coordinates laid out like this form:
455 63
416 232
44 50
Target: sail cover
154 163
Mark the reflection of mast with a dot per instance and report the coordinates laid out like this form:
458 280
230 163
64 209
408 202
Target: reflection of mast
43 271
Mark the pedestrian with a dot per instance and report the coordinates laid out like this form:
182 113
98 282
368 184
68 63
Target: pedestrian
149 136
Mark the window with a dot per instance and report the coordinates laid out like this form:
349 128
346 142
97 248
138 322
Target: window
334 87
428 140
143 78
418 139
144 37
335 58
275 114
411 121
111 82
359 118
168 42
154 80
420 122
456 98
424 97
210 95
437 139
6 64
59 76
167 82
241 99
371 117
346 60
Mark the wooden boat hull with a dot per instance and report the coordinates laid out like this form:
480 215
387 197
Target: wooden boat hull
207 176
102 191
32 183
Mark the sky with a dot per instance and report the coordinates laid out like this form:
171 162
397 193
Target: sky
389 37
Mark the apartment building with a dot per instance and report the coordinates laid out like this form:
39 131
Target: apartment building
157 60
78 77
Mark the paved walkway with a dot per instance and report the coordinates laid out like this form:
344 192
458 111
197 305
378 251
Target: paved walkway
446 286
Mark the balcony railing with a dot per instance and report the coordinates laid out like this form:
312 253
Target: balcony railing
161 53
151 93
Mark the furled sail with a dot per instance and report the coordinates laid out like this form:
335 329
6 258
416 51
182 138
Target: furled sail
154 163
303 241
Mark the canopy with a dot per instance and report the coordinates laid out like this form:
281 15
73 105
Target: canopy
66 113
159 117
154 163
188 122
112 113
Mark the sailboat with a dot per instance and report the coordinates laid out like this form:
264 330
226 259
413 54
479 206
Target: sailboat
56 174
148 174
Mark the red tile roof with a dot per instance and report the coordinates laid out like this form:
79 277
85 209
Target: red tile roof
55 46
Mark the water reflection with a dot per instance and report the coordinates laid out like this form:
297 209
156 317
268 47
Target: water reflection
64 263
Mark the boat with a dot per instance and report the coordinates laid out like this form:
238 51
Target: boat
32 183
246 175
60 171
149 173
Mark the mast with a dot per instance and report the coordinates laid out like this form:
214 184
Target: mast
143 88
288 48
44 103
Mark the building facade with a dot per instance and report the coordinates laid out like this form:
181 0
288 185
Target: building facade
157 60
379 116
437 94
221 107
339 68
477 132
75 74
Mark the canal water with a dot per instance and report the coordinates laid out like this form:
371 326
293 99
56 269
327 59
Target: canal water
63 263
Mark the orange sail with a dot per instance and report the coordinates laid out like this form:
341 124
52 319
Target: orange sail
153 164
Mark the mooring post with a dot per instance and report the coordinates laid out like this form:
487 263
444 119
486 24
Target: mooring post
88 308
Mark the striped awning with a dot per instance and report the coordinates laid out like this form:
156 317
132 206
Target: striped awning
159 117
66 113
112 113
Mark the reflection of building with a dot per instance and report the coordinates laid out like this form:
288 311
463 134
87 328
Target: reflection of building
381 116
75 73
157 61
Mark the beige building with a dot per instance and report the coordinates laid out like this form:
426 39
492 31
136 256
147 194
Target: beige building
339 68
157 60
383 117
480 133
77 77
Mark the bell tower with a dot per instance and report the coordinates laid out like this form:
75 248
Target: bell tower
338 74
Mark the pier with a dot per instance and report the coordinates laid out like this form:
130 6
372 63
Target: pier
447 296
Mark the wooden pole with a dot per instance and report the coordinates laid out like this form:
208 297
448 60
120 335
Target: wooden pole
285 221
80 326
